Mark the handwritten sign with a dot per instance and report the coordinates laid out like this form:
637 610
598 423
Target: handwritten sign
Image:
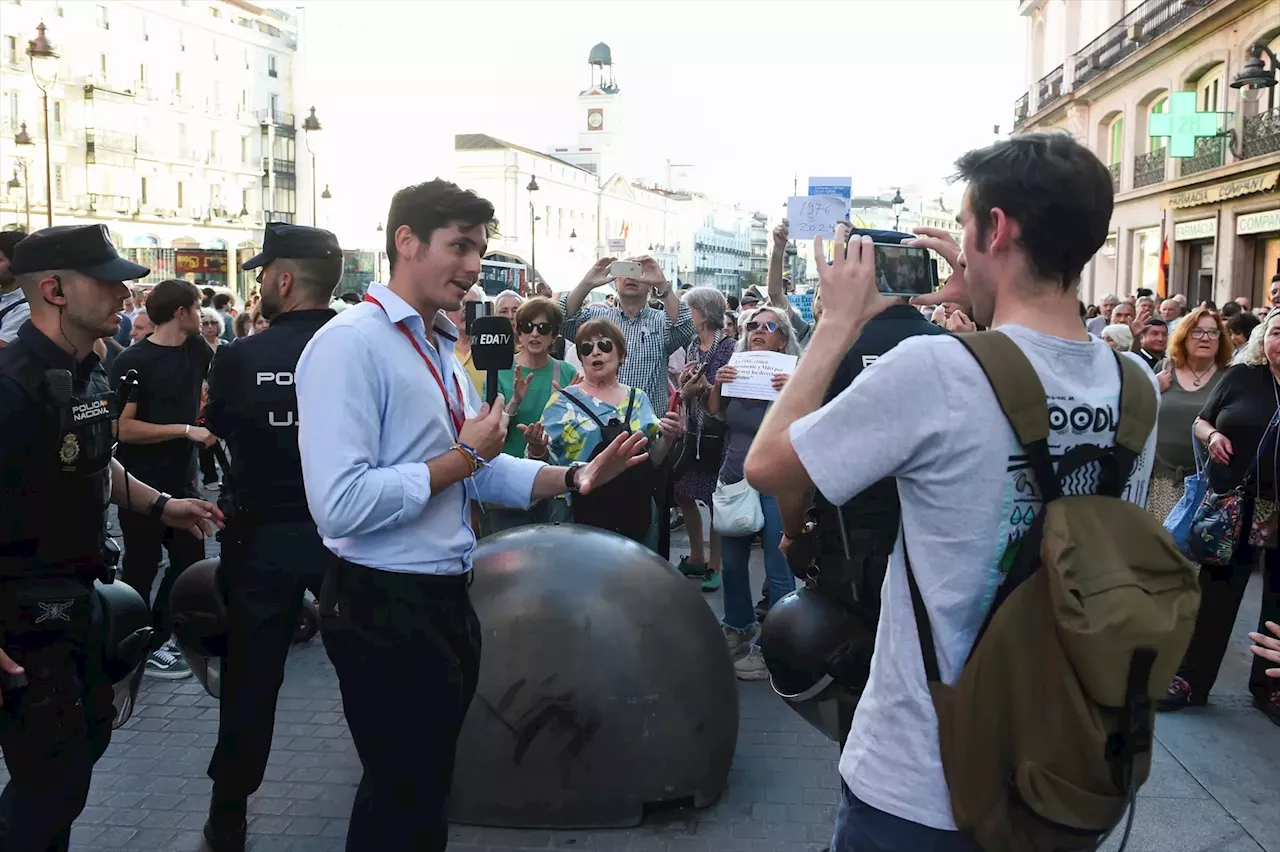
618 247
803 303
755 374
811 215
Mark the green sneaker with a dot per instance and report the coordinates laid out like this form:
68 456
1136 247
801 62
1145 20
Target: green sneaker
692 569
711 582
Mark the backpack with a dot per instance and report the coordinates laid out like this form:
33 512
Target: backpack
1046 734
622 504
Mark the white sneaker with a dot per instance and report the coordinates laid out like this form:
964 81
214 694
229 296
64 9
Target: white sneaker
737 640
167 663
751 666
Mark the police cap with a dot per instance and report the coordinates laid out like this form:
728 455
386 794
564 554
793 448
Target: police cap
85 248
283 241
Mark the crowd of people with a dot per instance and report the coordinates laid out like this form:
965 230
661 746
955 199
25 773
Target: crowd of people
619 414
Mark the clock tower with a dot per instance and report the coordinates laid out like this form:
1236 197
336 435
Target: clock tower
600 111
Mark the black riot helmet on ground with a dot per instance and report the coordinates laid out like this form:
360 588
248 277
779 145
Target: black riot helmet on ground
818 651
126 638
199 612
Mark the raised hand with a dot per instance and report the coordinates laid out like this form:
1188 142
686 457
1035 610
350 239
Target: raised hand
848 283
519 388
537 439
598 275
577 380
781 233
626 451
954 288
672 424
652 273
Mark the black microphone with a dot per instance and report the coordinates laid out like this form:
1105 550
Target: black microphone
493 348
59 384
128 384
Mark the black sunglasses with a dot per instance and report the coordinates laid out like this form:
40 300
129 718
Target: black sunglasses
544 328
768 326
588 346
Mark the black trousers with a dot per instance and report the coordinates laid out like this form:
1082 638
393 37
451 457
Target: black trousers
208 466
1221 592
143 538
52 733
263 578
407 651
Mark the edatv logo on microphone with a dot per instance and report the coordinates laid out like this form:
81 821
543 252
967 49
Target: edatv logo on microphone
494 338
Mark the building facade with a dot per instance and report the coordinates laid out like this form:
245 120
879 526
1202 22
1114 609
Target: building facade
171 123
1201 193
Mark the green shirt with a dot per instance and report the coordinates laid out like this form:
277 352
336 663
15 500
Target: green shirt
534 402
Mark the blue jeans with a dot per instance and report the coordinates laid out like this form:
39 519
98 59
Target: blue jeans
862 828
735 555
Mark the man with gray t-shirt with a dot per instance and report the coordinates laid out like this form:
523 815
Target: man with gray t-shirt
1036 209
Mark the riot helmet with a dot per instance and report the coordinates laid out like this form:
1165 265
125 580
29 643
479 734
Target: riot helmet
818 652
126 640
198 609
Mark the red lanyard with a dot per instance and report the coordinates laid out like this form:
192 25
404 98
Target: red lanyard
455 416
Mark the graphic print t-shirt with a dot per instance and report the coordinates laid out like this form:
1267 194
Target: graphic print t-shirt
170 379
925 414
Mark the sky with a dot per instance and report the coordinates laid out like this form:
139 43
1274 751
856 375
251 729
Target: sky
753 93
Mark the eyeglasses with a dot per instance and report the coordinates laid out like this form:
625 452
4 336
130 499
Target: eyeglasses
767 326
586 347
1205 333
544 328
210 322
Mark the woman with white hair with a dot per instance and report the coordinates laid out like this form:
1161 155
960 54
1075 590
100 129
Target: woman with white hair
764 330
506 303
696 469
1118 336
1239 424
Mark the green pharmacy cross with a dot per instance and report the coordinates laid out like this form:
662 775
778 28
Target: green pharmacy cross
1182 124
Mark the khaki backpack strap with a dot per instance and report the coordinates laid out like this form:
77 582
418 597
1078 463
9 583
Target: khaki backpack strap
1137 406
1022 399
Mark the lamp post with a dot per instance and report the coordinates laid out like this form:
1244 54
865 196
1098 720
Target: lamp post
533 233
25 186
309 125
573 235
898 201
39 48
1254 76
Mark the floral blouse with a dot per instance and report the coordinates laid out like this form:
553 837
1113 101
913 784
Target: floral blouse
573 436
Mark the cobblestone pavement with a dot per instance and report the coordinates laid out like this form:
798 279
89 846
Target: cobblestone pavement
1213 786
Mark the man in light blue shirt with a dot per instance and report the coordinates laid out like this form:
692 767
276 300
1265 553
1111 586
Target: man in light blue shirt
397 453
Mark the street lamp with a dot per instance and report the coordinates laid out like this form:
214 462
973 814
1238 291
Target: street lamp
573 235
309 125
39 48
533 232
1254 76
897 203
14 183
326 195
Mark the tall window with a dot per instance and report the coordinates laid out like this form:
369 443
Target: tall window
1159 105
180 195
10 49
142 75
57 118
1117 141
177 83
59 182
271 65
244 149
102 18
142 190
14 100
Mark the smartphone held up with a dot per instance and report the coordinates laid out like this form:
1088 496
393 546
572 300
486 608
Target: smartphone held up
905 271
626 269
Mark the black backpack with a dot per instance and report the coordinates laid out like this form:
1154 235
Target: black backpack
622 505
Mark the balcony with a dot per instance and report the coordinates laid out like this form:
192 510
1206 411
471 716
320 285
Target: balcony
110 148
1049 89
1261 134
1020 110
276 117
1127 36
1211 152
1148 169
103 84
1114 169
281 167
99 203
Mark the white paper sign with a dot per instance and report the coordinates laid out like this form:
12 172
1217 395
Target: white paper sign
811 215
618 247
755 374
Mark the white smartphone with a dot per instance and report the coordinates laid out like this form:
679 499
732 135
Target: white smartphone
626 269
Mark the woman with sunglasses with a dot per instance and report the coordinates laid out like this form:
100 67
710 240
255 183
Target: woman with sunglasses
527 388
581 419
764 330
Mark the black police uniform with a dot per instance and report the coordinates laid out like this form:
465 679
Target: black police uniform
55 485
271 550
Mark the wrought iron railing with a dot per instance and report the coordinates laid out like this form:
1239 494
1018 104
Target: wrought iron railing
1261 134
1148 169
279 166
110 203
276 117
1211 152
1049 89
1020 110
110 140
1114 169
1127 36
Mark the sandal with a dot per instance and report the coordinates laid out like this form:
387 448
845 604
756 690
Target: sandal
692 569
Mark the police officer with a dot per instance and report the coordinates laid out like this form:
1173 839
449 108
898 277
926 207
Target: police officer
851 544
57 475
271 551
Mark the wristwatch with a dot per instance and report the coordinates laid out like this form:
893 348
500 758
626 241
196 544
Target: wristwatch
157 508
571 477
